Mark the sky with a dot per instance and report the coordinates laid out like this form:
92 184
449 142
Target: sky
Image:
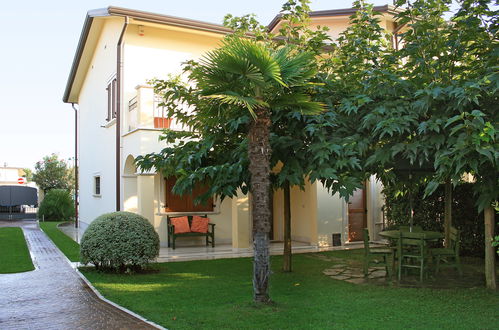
39 40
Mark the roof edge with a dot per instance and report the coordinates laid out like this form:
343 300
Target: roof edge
79 49
136 14
336 12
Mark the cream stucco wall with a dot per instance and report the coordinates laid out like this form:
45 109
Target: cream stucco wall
97 143
303 214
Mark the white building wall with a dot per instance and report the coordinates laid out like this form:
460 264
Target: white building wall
97 143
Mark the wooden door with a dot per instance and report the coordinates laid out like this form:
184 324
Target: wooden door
357 215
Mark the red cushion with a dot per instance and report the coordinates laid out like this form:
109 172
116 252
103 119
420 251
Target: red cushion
181 225
199 224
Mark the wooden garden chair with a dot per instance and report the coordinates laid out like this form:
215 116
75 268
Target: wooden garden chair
412 253
448 257
378 256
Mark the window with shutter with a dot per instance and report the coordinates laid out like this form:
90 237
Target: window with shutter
185 203
111 99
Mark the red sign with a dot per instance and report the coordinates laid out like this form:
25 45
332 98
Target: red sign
21 180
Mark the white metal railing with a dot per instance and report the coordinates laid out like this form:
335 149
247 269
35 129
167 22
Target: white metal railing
145 111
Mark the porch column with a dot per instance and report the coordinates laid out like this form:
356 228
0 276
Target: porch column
241 228
145 196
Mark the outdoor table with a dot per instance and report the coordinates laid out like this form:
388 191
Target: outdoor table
429 235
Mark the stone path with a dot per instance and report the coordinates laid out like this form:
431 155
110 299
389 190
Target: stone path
355 275
53 296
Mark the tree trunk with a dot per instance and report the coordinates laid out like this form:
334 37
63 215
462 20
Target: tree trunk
286 262
448 212
490 256
259 167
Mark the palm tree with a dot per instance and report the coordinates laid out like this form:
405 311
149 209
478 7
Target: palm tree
247 75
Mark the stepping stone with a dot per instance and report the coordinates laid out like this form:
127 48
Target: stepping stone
340 277
330 272
339 266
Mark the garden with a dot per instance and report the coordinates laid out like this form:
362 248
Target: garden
333 115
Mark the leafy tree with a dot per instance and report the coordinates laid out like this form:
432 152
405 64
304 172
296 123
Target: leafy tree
237 88
433 101
57 205
28 174
53 173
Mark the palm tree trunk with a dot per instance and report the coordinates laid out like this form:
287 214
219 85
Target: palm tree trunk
259 167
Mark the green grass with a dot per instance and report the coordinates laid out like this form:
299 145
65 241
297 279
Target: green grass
14 253
69 247
216 294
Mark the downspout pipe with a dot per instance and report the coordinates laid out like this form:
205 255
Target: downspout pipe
76 164
119 78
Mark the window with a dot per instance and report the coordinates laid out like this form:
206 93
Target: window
97 185
185 203
112 99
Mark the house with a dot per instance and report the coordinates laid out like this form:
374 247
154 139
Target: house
119 119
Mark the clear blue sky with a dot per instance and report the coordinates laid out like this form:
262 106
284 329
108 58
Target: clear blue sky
38 41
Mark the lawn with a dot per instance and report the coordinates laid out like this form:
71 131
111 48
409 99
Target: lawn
69 247
14 253
216 294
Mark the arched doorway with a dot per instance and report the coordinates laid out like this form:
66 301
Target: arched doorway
130 200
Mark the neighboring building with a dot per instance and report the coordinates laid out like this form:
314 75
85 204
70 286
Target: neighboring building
119 119
10 175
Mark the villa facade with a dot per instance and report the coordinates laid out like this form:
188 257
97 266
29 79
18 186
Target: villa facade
119 118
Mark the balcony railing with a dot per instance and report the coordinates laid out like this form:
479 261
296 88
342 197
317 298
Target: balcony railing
144 111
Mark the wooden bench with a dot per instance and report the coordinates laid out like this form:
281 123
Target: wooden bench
172 236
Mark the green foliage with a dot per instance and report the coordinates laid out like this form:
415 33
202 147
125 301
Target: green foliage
120 242
15 257
53 173
68 246
429 213
496 243
57 205
215 151
28 174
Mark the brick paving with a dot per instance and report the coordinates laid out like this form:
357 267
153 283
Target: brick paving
53 296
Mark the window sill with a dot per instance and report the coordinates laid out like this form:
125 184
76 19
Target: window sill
97 196
110 123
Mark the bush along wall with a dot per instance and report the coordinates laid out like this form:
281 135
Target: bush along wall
58 205
429 213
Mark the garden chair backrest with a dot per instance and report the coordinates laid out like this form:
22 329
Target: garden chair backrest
454 234
414 239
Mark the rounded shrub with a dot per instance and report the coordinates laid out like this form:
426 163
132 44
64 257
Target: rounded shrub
119 241
57 205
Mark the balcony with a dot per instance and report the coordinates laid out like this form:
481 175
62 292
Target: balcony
145 112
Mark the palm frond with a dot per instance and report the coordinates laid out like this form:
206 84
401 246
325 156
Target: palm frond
246 102
299 102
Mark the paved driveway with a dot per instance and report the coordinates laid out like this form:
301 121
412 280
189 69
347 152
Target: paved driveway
53 296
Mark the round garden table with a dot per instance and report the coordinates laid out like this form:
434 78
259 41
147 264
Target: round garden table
429 235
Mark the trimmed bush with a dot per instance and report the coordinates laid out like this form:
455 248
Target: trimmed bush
119 241
58 205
